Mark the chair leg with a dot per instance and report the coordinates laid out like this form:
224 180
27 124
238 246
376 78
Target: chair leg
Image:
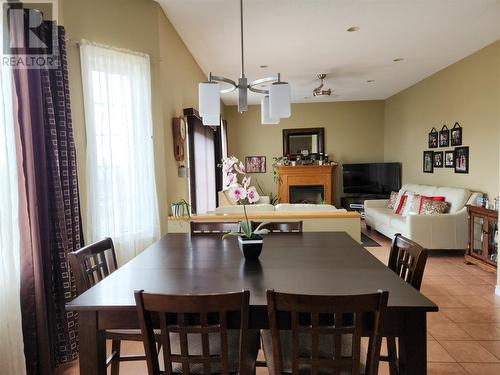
392 355
115 363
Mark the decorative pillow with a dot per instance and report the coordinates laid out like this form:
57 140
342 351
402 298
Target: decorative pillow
431 207
411 205
400 200
392 200
423 197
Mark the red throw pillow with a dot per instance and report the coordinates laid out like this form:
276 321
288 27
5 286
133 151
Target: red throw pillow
423 197
401 204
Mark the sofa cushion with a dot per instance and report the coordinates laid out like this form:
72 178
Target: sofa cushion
303 207
381 215
456 197
250 208
420 189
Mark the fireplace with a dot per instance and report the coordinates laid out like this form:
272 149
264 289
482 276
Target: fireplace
311 183
314 194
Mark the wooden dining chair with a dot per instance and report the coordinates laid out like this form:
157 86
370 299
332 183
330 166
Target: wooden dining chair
281 227
325 333
90 265
204 228
196 335
407 259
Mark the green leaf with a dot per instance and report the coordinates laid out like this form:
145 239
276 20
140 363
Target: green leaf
260 226
235 234
261 231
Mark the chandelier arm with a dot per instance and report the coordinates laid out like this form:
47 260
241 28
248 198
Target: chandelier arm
260 81
225 80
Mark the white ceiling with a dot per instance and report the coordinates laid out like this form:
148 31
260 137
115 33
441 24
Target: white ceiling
300 38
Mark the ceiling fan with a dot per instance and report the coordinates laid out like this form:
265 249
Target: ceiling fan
318 91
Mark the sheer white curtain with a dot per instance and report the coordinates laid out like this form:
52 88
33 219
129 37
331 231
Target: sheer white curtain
121 191
11 343
204 163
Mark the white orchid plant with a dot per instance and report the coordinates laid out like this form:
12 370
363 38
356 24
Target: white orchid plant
241 193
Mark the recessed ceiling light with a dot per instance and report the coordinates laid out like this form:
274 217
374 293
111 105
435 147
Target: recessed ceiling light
353 28
370 80
398 59
264 66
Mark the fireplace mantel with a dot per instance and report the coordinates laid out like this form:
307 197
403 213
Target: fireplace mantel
306 175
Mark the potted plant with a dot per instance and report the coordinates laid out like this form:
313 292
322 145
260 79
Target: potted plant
180 209
249 241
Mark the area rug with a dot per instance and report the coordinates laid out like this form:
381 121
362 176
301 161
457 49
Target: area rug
368 242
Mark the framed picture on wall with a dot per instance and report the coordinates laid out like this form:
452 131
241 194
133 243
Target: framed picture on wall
456 135
433 138
428 162
438 159
255 164
449 159
444 137
462 159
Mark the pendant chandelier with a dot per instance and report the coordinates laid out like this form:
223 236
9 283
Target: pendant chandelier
275 102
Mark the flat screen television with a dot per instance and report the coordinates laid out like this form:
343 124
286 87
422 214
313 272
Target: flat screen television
371 178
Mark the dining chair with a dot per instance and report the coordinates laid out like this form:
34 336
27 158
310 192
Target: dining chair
407 259
90 265
325 334
204 228
196 335
281 227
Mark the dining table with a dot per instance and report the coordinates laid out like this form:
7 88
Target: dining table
317 263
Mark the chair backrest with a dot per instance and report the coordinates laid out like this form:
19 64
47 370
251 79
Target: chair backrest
332 318
281 227
92 263
204 228
407 259
192 315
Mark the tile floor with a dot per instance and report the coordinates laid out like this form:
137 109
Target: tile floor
463 337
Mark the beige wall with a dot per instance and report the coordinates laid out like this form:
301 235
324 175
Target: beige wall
467 92
353 133
138 25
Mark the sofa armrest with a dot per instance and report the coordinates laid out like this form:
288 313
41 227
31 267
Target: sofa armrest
443 231
376 203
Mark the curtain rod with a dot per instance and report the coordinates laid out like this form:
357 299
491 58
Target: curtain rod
106 46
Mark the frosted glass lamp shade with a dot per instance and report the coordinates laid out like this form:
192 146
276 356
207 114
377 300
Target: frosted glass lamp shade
209 99
265 119
211 120
279 100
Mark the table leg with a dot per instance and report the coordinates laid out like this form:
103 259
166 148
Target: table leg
92 345
413 345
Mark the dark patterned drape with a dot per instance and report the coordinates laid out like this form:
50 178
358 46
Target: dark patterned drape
64 205
49 208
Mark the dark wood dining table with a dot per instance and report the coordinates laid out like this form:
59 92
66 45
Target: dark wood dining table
326 263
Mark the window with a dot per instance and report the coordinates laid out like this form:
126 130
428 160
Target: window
121 191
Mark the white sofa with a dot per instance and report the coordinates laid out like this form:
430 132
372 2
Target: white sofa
443 231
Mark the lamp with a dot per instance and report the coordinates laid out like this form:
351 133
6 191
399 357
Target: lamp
265 118
279 93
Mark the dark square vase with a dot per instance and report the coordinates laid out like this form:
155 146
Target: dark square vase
250 247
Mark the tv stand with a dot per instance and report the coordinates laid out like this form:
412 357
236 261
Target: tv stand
354 202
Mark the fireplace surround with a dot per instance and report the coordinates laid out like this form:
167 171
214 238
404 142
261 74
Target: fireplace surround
306 179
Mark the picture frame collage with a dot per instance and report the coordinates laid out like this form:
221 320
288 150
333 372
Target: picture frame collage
457 158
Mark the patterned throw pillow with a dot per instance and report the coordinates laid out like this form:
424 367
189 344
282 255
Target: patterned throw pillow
430 207
400 200
437 198
412 204
392 200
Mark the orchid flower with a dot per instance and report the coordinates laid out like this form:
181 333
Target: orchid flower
239 167
230 180
252 195
237 193
246 181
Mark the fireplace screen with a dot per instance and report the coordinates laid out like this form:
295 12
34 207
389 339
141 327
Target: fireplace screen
314 194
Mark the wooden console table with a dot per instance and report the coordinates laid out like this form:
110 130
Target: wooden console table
483 236
306 175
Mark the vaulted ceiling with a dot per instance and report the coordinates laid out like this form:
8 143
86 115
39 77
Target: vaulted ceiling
301 38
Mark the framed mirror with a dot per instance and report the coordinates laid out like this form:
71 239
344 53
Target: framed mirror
296 141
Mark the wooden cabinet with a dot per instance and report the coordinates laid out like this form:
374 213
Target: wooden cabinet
483 237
